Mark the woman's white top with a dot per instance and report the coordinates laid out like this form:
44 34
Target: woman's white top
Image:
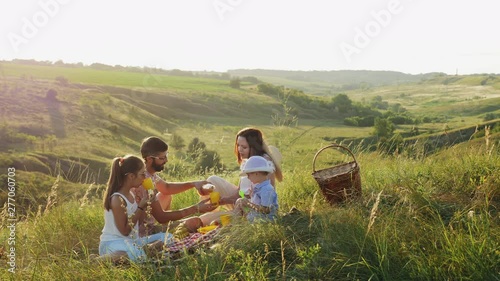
110 232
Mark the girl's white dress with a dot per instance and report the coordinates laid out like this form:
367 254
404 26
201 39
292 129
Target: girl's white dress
112 240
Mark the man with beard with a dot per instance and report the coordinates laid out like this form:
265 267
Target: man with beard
154 151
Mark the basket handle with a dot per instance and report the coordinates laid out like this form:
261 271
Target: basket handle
335 146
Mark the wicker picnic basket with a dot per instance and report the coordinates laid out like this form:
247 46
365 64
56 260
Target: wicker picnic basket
341 182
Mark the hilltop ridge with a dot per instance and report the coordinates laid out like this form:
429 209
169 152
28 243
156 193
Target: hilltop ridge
106 111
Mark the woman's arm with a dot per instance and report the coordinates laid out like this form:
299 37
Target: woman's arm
167 216
229 200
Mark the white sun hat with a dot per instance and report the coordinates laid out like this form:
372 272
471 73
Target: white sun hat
257 164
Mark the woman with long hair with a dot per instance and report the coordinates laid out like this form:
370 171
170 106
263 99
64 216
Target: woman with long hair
248 142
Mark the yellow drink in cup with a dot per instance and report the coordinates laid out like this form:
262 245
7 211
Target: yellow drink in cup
148 184
225 220
214 197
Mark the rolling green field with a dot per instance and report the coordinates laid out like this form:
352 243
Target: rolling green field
142 80
421 217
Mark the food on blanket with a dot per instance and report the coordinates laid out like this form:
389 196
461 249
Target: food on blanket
147 183
215 197
225 219
206 229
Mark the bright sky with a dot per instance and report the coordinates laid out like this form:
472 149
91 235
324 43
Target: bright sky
411 36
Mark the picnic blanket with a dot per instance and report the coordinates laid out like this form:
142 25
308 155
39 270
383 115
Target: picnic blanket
192 240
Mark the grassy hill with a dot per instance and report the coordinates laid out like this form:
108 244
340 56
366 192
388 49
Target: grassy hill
327 83
103 112
331 82
97 114
431 217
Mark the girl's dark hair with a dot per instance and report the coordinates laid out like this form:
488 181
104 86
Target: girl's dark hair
120 168
255 141
151 146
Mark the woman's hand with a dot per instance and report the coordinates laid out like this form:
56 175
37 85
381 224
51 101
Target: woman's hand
205 206
199 187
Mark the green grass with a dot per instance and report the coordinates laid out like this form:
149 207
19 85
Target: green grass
137 81
436 218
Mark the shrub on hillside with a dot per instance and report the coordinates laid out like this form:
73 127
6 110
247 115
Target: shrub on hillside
490 116
235 83
62 80
209 160
194 147
401 119
51 95
204 159
250 79
177 142
351 121
383 128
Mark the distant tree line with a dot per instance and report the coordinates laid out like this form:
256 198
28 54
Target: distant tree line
342 107
101 66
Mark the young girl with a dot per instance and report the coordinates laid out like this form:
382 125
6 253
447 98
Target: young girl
122 214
